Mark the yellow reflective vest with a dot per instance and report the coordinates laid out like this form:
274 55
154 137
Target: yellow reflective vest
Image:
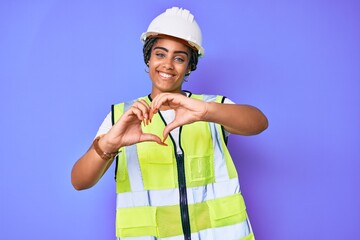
163 194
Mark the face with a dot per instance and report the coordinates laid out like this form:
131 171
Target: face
168 64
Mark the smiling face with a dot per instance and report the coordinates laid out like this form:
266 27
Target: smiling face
168 64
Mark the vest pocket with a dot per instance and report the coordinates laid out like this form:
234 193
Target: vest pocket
158 166
137 221
226 211
201 170
158 176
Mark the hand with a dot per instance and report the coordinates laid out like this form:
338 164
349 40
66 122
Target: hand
187 110
127 130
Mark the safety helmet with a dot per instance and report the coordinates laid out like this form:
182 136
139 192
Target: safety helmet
179 23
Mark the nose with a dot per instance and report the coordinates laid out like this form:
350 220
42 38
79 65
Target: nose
168 64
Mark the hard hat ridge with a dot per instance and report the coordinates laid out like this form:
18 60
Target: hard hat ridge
184 13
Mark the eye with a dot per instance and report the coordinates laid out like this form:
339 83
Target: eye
160 55
179 59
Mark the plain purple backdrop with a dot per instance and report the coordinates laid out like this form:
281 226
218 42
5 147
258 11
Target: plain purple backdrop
63 63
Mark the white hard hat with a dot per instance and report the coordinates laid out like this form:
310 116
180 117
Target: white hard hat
176 22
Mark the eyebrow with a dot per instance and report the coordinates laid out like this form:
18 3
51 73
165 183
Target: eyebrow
166 50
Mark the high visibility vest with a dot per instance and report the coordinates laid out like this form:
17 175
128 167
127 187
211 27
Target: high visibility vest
162 194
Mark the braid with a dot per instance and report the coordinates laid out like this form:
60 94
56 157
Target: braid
193 59
194 56
147 49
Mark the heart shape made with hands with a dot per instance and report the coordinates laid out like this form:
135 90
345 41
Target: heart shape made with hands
186 110
128 131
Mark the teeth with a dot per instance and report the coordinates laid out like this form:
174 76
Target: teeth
165 75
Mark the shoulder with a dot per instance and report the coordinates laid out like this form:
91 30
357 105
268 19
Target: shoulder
105 125
127 104
210 97
116 111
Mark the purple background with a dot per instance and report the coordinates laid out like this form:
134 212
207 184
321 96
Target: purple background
63 63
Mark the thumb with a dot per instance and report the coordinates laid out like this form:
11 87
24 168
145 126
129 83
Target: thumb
151 138
171 126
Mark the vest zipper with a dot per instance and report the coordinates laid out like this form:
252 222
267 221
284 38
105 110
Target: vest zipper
184 210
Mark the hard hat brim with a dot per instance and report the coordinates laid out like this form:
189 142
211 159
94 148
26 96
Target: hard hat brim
190 44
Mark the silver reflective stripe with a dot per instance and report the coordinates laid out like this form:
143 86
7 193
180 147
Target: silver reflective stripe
168 197
220 168
138 197
209 98
133 166
232 232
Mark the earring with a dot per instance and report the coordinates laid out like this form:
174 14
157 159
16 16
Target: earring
187 76
146 69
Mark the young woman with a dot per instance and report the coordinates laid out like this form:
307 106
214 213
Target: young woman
175 178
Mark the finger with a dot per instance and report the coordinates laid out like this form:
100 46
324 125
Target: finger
143 107
155 99
165 137
137 112
169 128
147 109
152 113
142 104
160 100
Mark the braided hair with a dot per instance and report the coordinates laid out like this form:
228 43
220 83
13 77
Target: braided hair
194 56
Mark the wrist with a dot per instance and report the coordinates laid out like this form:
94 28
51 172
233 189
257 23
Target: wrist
207 112
104 149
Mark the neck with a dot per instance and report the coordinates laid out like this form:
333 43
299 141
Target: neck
154 94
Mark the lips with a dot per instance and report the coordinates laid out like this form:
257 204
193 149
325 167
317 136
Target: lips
165 75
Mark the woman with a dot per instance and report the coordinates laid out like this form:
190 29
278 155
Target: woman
175 178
